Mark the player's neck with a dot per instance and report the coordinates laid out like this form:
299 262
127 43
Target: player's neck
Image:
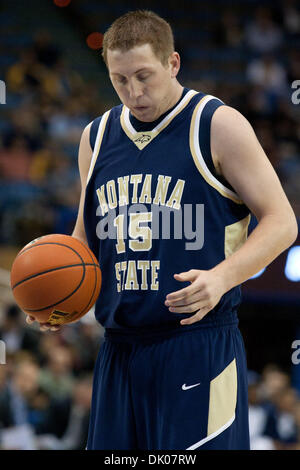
174 97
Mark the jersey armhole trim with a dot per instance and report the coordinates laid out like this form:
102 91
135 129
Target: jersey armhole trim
98 142
198 157
93 131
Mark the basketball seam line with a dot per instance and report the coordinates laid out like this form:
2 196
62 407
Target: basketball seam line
61 300
34 245
51 270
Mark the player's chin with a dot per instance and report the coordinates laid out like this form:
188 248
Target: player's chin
143 113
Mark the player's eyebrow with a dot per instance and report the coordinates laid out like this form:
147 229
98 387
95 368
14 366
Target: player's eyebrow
144 69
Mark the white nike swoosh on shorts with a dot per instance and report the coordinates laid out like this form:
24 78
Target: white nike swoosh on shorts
187 387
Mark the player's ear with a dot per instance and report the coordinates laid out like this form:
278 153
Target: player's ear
174 62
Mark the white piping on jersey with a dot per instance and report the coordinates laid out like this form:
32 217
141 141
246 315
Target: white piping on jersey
201 161
211 436
169 116
97 143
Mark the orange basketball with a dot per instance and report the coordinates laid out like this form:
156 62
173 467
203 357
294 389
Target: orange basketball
56 279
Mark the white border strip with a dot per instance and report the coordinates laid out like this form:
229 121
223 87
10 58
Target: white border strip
198 151
96 149
211 436
128 124
130 127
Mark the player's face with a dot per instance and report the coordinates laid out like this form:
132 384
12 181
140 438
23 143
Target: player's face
142 82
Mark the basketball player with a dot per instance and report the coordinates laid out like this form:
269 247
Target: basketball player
171 373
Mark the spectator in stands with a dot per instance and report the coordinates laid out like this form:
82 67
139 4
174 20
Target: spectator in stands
262 34
290 17
3 377
274 380
87 335
16 334
67 124
286 402
15 159
66 425
24 76
297 418
47 344
16 395
46 51
269 74
262 421
56 378
228 32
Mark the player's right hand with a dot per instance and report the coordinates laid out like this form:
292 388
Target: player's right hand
43 326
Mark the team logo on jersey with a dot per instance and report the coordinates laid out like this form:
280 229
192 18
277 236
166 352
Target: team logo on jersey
141 139
144 138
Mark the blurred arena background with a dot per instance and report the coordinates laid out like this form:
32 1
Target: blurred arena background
247 53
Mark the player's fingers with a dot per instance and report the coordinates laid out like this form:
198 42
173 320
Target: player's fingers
187 308
190 276
55 328
44 326
190 299
197 317
29 319
48 326
183 293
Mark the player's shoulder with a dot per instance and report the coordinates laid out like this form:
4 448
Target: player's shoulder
230 119
230 130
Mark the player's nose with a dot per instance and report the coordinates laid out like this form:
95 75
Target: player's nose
135 91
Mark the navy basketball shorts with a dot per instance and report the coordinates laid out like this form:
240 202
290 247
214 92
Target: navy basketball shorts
182 390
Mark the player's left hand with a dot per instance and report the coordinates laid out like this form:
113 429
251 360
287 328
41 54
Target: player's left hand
201 296
43 326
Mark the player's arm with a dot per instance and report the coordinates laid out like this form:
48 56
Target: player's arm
84 160
245 166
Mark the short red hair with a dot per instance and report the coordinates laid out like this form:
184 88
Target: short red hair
136 28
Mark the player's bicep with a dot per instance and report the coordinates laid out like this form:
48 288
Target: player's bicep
245 165
79 230
85 155
84 161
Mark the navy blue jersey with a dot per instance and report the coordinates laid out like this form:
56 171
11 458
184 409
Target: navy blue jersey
154 206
